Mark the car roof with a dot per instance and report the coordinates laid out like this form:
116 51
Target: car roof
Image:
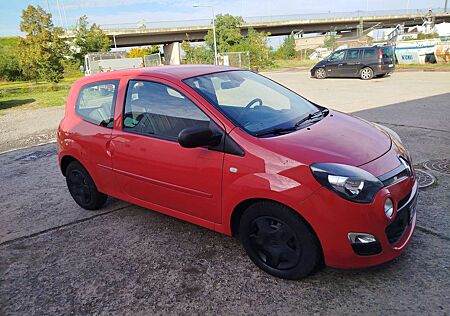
178 72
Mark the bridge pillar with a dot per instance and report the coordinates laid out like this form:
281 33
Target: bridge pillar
172 53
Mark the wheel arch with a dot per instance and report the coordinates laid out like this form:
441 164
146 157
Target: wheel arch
240 208
65 161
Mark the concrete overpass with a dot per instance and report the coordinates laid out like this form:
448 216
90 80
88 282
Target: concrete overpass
147 33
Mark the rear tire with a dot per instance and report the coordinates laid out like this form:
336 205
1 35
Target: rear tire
366 73
82 188
320 73
278 241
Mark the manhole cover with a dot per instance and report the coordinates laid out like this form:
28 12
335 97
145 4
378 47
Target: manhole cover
424 179
36 155
439 165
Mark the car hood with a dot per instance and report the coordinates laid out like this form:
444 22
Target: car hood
338 138
321 63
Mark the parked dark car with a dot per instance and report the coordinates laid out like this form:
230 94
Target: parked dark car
363 62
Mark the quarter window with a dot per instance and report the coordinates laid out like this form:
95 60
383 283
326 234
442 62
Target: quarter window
158 110
96 102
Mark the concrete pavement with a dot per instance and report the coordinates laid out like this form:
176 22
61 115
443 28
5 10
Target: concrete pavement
56 258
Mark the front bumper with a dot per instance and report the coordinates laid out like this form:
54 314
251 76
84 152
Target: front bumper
336 218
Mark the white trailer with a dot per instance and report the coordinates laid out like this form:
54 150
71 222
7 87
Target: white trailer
109 61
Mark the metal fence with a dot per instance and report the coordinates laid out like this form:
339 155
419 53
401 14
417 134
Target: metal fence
235 59
152 60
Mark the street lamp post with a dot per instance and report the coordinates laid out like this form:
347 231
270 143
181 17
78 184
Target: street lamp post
216 56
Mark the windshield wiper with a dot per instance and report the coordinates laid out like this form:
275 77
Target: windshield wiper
280 130
276 131
309 117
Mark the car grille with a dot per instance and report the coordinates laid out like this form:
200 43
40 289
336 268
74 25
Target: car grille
405 213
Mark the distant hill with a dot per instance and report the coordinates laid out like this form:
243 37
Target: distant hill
8 44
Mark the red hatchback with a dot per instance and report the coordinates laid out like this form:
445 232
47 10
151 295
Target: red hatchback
235 152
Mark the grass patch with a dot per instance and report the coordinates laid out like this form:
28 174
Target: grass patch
30 94
33 100
425 66
291 63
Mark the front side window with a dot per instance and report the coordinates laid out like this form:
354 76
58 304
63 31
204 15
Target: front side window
251 101
352 54
337 56
155 109
96 103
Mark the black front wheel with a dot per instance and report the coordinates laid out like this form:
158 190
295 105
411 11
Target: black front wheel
278 241
82 188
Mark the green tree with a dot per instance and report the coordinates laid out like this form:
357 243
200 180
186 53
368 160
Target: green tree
287 49
197 54
9 64
330 40
89 39
42 50
142 51
228 32
257 44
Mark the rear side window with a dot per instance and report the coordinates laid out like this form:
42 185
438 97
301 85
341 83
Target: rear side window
96 102
353 54
369 53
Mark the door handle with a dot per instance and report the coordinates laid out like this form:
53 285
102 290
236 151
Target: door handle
110 148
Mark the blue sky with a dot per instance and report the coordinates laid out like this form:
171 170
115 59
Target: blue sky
129 11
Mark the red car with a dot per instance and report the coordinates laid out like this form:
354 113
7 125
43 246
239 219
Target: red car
230 150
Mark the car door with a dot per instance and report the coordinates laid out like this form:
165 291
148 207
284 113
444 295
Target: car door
334 63
351 65
151 167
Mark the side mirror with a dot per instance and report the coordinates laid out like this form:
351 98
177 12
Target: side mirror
193 137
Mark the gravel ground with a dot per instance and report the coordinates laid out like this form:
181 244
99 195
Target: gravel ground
56 258
22 128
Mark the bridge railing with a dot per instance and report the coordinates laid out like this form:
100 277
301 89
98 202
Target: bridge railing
265 19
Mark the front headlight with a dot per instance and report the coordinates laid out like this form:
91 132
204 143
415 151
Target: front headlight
352 183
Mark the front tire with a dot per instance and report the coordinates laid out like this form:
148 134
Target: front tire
278 241
366 73
320 73
82 188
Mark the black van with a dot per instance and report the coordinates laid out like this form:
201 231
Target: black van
363 62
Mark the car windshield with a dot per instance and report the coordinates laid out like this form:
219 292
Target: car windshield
253 102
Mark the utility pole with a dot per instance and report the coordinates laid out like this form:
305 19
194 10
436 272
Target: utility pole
216 56
445 6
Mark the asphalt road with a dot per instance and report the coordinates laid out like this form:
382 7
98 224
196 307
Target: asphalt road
56 258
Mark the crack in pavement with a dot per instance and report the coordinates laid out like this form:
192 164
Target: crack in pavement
432 232
423 229
7 242
411 126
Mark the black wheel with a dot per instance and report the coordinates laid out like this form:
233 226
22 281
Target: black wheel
320 73
82 187
278 241
366 73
